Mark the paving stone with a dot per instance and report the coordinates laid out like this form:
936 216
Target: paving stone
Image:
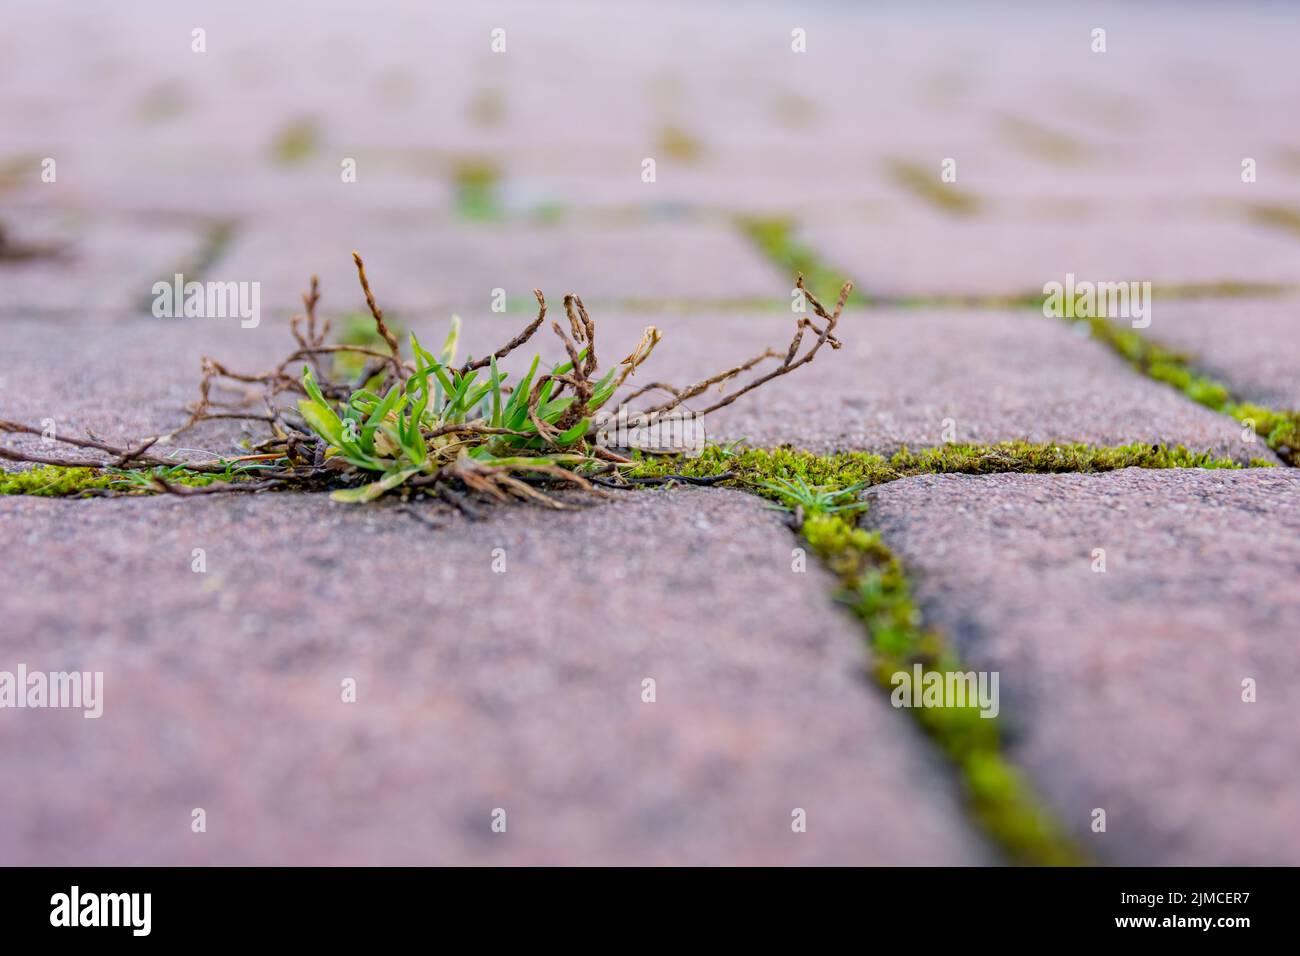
476 690
1124 689
931 255
85 266
1253 346
414 267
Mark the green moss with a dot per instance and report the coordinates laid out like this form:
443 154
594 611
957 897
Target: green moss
1285 218
774 238
754 466
487 108
923 182
1279 428
56 481
53 482
16 170
875 587
679 144
1042 142
476 183
297 142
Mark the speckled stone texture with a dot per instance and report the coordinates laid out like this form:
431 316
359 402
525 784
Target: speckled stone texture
476 690
1124 689
918 254
1252 346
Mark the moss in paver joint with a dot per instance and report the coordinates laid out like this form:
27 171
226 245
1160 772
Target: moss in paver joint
296 142
875 587
774 237
53 481
924 183
476 183
840 470
679 144
1286 218
1279 428
216 238
1042 141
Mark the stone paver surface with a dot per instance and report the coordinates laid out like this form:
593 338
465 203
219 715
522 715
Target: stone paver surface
914 254
90 266
1252 346
415 266
475 690
1124 689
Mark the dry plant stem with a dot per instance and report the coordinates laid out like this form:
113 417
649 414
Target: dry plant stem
788 365
216 488
119 454
514 343
384 331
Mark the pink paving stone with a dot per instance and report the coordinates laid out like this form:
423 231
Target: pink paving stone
916 253
89 265
1123 689
476 690
416 264
1252 346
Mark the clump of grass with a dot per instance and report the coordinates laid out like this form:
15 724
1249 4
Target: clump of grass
435 427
